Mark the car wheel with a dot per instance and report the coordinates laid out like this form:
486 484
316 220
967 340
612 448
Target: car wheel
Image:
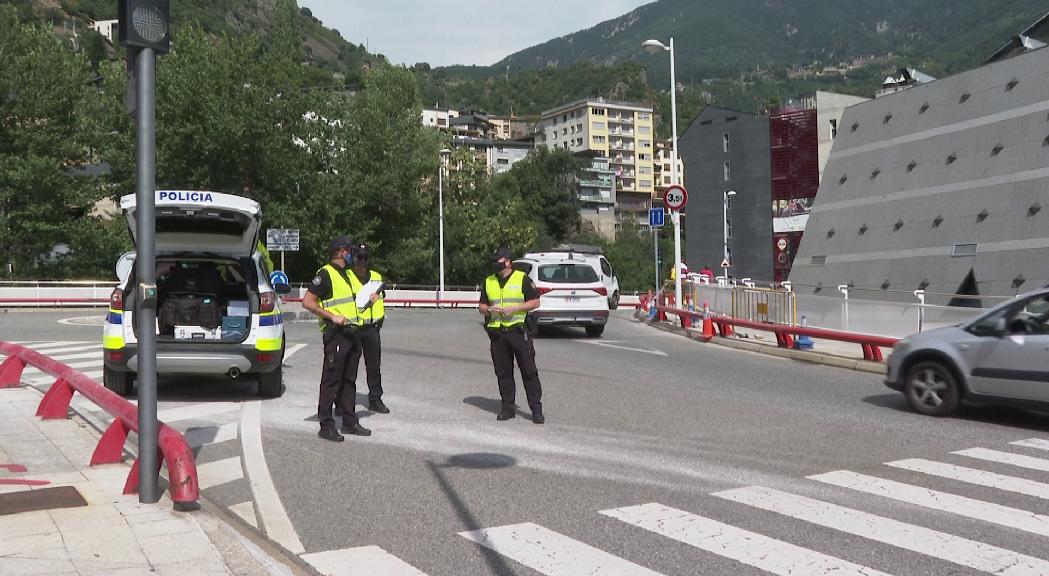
932 389
613 303
595 331
271 384
119 382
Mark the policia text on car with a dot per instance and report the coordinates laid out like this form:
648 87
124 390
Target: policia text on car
332 298
507 298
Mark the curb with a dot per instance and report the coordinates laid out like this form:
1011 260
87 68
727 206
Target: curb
769 350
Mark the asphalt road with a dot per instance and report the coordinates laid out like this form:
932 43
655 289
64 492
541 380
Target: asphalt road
637 417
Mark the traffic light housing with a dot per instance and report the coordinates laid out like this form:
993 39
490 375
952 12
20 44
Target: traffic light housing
146 24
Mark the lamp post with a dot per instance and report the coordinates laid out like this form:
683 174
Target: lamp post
724 225
654 47
440 211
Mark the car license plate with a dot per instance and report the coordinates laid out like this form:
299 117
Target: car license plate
572 298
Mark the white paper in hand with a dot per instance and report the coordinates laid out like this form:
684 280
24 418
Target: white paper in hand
365 295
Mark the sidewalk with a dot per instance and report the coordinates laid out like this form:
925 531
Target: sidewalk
59 516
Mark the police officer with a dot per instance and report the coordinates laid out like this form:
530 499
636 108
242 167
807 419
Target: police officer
507 298
332 299
371 319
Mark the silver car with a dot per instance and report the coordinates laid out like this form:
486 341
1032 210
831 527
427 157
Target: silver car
1001 357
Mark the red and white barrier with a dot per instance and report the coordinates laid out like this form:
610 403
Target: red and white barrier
182 470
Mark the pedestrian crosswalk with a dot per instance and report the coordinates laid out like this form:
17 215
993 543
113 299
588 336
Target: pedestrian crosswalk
560 552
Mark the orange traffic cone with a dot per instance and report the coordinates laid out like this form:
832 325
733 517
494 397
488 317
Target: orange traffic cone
708 325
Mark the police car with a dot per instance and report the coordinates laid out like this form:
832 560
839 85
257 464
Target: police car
217 313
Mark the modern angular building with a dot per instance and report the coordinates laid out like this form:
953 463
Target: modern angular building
942 187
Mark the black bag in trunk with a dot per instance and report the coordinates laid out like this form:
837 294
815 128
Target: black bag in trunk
190 310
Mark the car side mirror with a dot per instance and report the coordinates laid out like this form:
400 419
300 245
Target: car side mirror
1000 327
282 288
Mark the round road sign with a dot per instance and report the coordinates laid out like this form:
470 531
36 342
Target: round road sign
675 197
782 258
782 244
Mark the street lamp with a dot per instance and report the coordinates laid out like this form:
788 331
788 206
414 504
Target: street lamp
440 211
655 47
724 204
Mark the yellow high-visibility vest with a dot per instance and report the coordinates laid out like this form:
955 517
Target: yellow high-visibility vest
343 299
376 311
509 294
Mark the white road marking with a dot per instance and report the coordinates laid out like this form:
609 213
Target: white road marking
74 365
617 347
942 501
949 547
290 351
363 561
551 553
219 472
752 549
84 321
196 411
275 521
1006 458
197 437
246 512
96 354
974 476
1038 443
50 345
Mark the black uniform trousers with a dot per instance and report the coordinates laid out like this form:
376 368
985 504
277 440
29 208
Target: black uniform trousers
371 347
338 382
515 343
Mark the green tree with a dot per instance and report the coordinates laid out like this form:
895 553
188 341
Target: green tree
42 88
546 183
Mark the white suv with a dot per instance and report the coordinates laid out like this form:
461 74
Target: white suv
570 294
593 256
217 313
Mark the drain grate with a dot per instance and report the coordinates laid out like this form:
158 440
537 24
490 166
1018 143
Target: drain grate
43 499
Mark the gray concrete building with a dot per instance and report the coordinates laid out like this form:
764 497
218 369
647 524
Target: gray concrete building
728 150
943 187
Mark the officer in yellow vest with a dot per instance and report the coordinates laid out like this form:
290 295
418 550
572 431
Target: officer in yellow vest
371 319
507 298
332 299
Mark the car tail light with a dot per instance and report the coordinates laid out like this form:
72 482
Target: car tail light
264 357
114 356
544 290
116 299
602 291
267 302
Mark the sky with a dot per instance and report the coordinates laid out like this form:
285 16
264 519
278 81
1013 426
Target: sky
445 32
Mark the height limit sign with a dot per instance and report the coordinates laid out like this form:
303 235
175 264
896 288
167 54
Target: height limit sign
675 198
282 240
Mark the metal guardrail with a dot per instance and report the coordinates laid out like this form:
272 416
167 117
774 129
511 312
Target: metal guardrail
182 471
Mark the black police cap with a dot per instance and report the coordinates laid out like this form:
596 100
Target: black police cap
340 243
502 252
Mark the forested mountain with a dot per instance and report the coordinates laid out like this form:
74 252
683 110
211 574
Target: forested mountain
716 39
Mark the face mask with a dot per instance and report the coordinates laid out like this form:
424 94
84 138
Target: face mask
497 267
348 259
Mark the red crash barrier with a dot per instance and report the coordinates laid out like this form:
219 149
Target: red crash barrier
785 334
182 471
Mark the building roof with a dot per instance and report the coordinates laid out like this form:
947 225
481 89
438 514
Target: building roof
1033 37
596 102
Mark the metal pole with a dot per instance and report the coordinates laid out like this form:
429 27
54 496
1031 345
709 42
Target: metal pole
675 178
440 211
145 189
724 229
655 242
282 261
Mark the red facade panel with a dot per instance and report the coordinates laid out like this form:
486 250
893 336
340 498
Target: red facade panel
794 143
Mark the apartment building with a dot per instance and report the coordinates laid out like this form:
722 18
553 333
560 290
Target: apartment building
437 117
622 133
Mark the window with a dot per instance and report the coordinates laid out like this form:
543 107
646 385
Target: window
564 131
645 169
599 139
503 161
728 171
598 111
644 129
646 143
579 127
606 268
724 142
567 274
644 183
598 125
833 128
644 156
963 250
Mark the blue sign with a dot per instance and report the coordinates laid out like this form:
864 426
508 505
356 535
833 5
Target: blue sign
278 277
655 217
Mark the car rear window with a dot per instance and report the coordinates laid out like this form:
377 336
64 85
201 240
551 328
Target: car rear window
567 274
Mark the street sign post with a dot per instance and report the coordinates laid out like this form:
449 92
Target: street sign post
656 217
675 198
282 240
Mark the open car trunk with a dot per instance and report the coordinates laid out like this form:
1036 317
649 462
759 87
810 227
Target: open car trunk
202 299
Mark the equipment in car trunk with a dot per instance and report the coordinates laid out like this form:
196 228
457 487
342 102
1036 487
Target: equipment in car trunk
189 310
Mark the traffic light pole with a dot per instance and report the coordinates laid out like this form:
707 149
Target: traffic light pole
145 261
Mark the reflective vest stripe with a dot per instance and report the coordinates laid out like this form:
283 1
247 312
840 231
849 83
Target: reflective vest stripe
340 301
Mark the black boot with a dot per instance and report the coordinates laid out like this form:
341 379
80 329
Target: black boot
506 414
330 433
537 415
378 406
356 430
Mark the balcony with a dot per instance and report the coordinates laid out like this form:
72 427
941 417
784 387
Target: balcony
629 120
595 183
628 160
